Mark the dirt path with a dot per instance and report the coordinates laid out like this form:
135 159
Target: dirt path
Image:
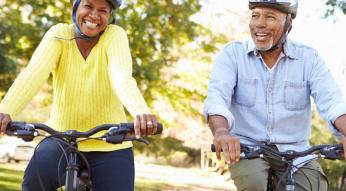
192 179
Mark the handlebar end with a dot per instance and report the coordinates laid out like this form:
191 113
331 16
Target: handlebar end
159 128
212 147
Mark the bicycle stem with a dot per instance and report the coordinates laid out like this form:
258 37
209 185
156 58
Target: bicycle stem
290 179
71 172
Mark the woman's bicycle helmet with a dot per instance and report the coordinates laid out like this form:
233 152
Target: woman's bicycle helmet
286 6
115 3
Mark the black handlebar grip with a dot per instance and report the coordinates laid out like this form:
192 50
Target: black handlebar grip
213 149
159 128
131 126
15 125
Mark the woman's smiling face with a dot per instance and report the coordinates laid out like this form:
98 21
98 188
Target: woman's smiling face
92 16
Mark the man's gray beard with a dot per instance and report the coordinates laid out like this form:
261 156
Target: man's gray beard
265 48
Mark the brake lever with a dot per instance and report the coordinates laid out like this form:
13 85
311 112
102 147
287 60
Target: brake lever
114 139
142 140
119 138
254 154
333 153
251 152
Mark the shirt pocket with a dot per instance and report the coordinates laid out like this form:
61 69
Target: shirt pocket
296 95
245 92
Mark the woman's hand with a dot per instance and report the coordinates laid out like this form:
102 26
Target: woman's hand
145 124
5 119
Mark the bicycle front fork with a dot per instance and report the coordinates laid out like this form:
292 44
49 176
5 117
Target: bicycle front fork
71 173
290 181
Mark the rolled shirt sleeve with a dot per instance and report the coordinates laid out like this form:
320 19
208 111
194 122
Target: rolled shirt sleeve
326 94
221 86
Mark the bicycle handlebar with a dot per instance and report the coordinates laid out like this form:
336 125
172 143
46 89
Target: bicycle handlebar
115 132
332 152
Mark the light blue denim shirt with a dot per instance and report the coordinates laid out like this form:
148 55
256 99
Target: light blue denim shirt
272 106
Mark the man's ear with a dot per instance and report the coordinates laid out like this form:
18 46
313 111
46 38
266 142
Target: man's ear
290 20
288 23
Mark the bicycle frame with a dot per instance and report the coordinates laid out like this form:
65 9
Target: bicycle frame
72 169
331 152
116 133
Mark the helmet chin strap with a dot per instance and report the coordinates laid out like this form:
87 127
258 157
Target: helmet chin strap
79 33
283 37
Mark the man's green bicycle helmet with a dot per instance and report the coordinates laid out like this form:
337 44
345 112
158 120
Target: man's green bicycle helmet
286 6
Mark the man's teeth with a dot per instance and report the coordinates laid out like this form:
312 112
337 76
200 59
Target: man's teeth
261 35
90 24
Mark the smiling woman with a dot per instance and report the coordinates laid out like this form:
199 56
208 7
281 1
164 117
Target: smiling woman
91 65
98 14
90 19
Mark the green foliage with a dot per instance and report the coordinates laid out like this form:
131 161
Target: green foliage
320 135
334 4
22 25
156 29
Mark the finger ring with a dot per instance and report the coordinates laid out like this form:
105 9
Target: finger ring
149 123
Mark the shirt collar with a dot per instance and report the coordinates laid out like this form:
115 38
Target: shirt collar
289 50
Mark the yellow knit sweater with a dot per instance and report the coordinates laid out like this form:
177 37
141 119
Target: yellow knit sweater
86 92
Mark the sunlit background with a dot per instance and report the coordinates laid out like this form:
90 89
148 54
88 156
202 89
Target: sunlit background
311 27
172 74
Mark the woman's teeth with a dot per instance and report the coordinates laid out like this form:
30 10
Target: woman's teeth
90 24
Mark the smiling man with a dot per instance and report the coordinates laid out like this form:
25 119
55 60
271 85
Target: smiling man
259 93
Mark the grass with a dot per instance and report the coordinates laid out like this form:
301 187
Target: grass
11 178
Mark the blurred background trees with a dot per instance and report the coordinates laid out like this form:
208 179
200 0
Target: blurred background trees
332 5
172 55
163 40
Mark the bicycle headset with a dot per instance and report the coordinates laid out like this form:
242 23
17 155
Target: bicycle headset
114 3
289 7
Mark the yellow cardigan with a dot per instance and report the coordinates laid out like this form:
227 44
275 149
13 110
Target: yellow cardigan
86 92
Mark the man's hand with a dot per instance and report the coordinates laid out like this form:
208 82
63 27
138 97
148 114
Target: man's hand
5 119
229 145
340 124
